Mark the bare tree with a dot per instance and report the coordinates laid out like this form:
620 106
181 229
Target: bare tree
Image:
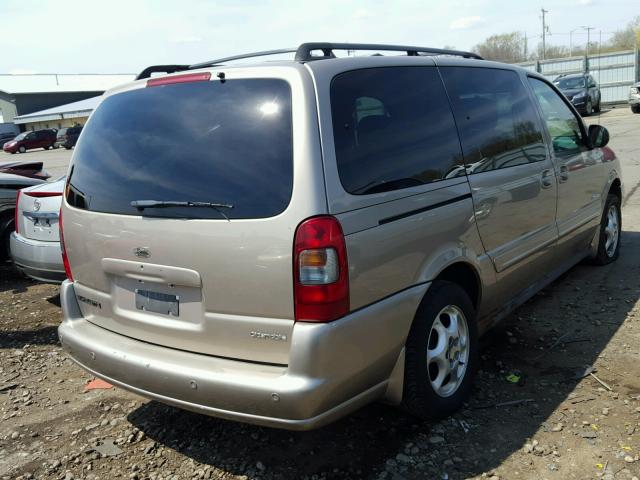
551 51
625 39
505 47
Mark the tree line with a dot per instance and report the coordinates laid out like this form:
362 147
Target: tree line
512 47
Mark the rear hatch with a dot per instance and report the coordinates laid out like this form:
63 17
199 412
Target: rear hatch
211 273
38 209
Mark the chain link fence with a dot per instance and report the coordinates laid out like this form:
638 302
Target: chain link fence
615 72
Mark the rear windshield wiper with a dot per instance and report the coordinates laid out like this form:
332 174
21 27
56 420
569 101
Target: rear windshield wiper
142 204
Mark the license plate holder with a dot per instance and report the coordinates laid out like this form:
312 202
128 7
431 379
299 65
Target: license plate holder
157 302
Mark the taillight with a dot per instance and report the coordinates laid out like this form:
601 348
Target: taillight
63 248
38 194
321 276
16 216
185 78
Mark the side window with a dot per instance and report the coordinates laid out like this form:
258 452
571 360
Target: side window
393 128
563 126
368 107
496 118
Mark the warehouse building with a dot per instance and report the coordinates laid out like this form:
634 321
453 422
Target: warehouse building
69 115
25 94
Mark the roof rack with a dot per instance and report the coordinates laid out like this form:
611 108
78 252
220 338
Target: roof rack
264 53
304 54
146 73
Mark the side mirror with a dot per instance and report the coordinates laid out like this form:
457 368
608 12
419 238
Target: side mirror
598 136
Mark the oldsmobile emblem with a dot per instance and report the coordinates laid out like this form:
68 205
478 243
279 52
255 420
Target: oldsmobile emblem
142 252
36 205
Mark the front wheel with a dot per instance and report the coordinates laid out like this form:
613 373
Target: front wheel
441 353
597 108
22 149
589 109
635 108
610 227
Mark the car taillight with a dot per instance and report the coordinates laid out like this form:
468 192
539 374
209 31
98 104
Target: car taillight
16 216
43 194
321 275
187 77
63 248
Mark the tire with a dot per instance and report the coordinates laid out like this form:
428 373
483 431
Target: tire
610 228
635 108
588 109
5 234
22 149
443 302
67 148
597 107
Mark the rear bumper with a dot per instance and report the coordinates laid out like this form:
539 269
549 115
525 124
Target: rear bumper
333 368
37 259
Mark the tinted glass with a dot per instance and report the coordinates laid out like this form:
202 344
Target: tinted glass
570 83
216 142
495 116
563 126
393 129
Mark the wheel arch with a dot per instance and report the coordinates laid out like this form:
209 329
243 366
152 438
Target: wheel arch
467 277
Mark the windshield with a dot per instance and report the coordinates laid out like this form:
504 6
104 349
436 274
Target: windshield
570 83
21 136
214 142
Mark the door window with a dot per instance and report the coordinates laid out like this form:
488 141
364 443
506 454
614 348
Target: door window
563 125
495 116
393 129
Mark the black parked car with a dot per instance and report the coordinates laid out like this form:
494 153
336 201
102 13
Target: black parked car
6 137
582 90
67 137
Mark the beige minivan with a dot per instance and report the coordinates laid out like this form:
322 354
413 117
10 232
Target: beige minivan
283 242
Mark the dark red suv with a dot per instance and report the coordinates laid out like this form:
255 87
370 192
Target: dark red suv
30 140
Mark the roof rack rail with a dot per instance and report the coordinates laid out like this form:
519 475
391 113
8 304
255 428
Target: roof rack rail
218 61
146 73
303 53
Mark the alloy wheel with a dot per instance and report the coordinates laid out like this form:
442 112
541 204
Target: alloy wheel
448 351
612 231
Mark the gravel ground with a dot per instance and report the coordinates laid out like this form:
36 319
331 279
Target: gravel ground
572 352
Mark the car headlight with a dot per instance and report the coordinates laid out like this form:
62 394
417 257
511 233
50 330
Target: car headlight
580 95
634 90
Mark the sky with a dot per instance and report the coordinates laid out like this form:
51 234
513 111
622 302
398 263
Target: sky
125 36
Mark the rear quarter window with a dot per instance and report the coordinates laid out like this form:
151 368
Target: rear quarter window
213 142
393 128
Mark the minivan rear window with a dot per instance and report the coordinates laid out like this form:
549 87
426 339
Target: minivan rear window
218 142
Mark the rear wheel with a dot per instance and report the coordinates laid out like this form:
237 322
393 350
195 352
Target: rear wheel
610 227
441 353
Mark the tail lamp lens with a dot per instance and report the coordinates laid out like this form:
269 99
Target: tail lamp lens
63 248
321 276
16 216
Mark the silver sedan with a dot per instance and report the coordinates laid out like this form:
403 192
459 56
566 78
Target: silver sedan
35 244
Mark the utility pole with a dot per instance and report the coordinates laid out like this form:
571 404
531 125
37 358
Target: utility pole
544 32
588 29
